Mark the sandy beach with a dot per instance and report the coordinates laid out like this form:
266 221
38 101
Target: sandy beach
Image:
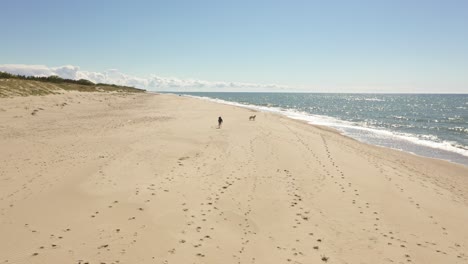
148 178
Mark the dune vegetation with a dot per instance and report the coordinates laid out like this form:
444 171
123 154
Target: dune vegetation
19 85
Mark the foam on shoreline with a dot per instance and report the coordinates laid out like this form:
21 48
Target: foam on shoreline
423 145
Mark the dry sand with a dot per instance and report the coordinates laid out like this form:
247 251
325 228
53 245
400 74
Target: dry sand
112 178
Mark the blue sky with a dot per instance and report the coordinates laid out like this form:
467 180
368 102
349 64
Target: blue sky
339 46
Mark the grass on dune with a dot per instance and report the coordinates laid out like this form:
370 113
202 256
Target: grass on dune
17 85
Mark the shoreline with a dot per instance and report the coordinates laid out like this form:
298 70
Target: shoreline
450 156
148 178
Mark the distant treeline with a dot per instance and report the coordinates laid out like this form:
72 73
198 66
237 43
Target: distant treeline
57 79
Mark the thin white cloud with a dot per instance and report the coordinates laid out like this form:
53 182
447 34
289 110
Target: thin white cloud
152 82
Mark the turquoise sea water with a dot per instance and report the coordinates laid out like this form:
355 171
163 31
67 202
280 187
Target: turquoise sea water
431 125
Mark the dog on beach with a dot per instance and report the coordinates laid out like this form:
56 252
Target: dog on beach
252 118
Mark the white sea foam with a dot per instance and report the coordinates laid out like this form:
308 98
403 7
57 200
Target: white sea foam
369 99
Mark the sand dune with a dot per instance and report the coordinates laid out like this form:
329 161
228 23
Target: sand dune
142 178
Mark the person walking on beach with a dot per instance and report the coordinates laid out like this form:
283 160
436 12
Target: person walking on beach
220 122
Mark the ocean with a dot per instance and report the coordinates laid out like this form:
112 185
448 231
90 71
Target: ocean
431 125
